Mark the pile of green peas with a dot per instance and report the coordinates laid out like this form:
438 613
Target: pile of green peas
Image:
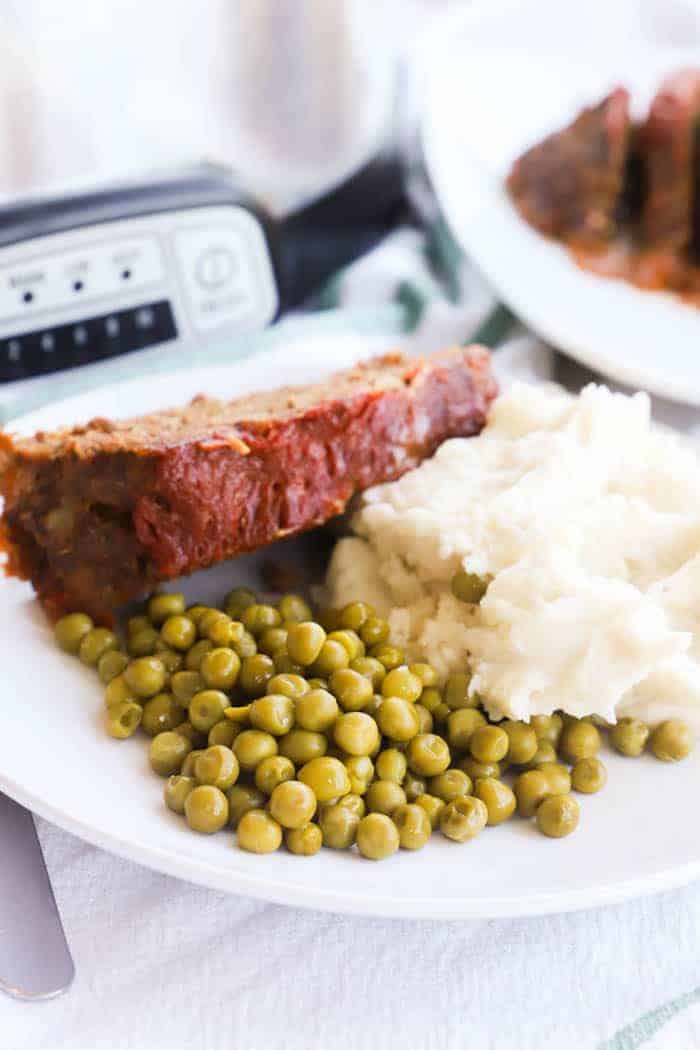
317 732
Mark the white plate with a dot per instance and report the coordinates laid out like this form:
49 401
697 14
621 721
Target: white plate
56 759
484 104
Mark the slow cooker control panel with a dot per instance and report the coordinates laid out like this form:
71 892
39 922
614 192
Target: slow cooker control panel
84 295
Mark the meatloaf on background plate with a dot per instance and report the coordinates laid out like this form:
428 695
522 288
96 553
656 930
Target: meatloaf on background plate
99 514
571 184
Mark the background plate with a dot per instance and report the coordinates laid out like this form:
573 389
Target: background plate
56 759
486 102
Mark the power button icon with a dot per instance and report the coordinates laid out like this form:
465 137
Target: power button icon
215 267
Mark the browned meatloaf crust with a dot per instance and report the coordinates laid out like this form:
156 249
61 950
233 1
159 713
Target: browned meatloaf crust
569 185
668 139
96 515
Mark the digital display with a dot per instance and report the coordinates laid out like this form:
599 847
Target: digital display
86 341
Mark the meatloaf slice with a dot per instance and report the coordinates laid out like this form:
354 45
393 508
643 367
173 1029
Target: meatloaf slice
668 140
98 514
570 184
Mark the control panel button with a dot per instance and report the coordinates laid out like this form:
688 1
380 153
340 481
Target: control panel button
91 339
226 272
215 267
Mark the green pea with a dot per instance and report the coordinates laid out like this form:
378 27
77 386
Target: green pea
352 690
292 685
475 769
238 600
338 826
223 631
579 740
273 770
450 785
257 618
197 653
530 789
316 710
245 646
252 746
304 842
293 609
671 741
468 587
256 671
241 799
123 719
498 798
413 825
356 733
71 629
332 656
557 816
463 818
374 631
629 737
272 641
398 719
217 766
355 615
427 754
426 674
111 664
160 714
369 668
402 683
135 624
177 788
390 656
327 777
391 765
548 728
588 775
377 836
179 632
146 676
161 606
303 745
558 777
207 708
206 809
292 804
488 744
95 644
431 698
118 692
258 832
223 732
185 684
143 643
273 714
457 693
414 786
432 807
522 742
220 668
360 770
167 752
383 796
461 725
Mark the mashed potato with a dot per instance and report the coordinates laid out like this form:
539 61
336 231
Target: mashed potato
587 519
